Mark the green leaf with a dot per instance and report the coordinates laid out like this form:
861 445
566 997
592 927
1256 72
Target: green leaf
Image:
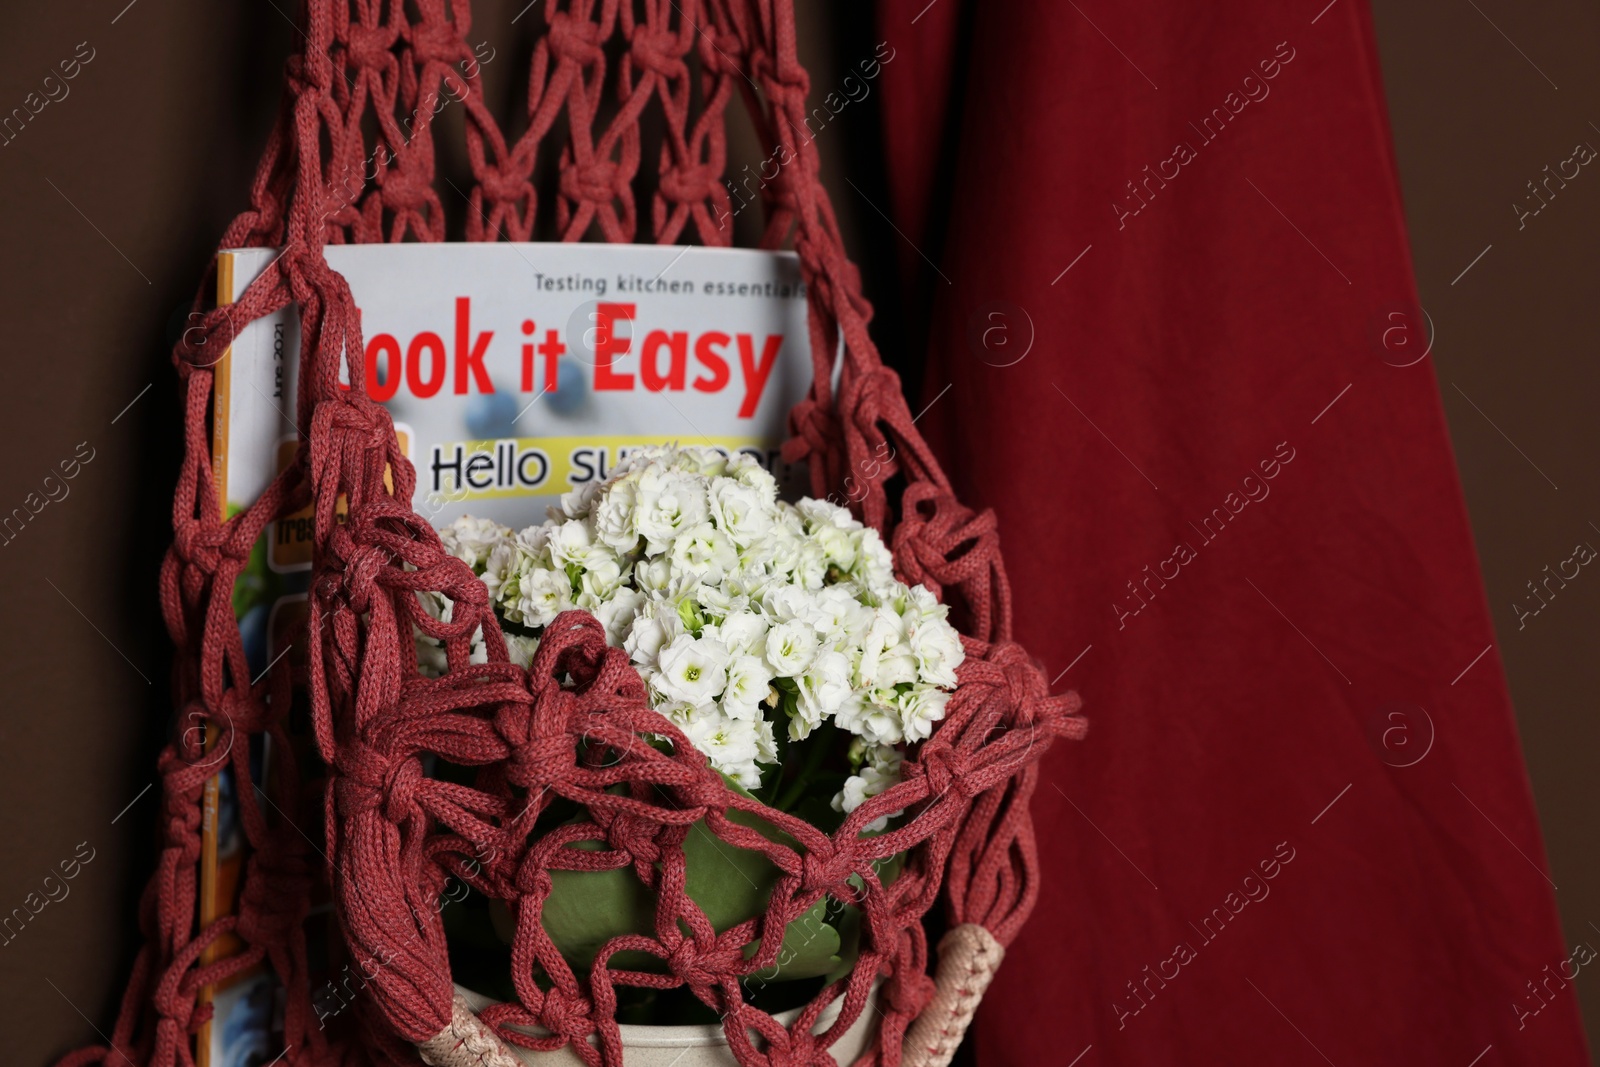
730 884
850 938
586 909
811 947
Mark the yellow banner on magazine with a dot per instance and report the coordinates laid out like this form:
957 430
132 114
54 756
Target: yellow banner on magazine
455 471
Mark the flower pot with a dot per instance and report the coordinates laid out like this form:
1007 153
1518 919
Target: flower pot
472 1043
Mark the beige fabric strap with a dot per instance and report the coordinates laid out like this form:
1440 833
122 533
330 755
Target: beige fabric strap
466 1042
968 957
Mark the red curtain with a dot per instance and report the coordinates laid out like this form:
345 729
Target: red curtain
1173 342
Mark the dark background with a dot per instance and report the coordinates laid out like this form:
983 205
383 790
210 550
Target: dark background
112 198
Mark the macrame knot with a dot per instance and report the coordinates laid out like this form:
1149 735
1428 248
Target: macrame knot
1061 716
823 869
407 186
659 51
368 46
945 770
595 182
200 544
183 784
635 836
437 42
204 343
542 761
574 39
565 1013
532 878
687 185
705 792
574 643
506 183
1025 683
869 395
361 570
685 962
613 674
400 789
720 52
243 712
372 779
812 429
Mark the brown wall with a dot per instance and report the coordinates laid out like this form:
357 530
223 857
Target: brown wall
1478 111
110 201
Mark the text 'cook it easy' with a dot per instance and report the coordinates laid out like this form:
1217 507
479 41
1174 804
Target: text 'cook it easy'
662 360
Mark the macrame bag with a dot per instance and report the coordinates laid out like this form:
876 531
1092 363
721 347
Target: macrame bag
392 835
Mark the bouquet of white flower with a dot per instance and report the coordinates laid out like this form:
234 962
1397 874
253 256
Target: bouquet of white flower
773 635
754 622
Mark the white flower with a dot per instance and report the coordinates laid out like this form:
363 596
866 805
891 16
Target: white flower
471 539
571 542
811 567
533 541
601 579
835 614
820 513
786 603
882 635
542 595
718 600
704 552
740 511
731 745
824 690
936 647
747 470
742 631
655 625
576 504
500 569
692 670
521 649
617 614
897 666
668 503
880 771
711 462
919 710
874 716
766 744
747 686
839 546
614 519
875 564
790 647
655 576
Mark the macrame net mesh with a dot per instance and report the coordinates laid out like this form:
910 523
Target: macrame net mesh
351 159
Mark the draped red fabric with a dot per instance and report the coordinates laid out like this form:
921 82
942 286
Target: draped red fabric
1301 830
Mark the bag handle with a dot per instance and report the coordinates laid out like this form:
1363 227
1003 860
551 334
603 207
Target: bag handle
362 55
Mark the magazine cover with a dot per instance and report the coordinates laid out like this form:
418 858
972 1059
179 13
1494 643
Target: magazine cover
514 373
